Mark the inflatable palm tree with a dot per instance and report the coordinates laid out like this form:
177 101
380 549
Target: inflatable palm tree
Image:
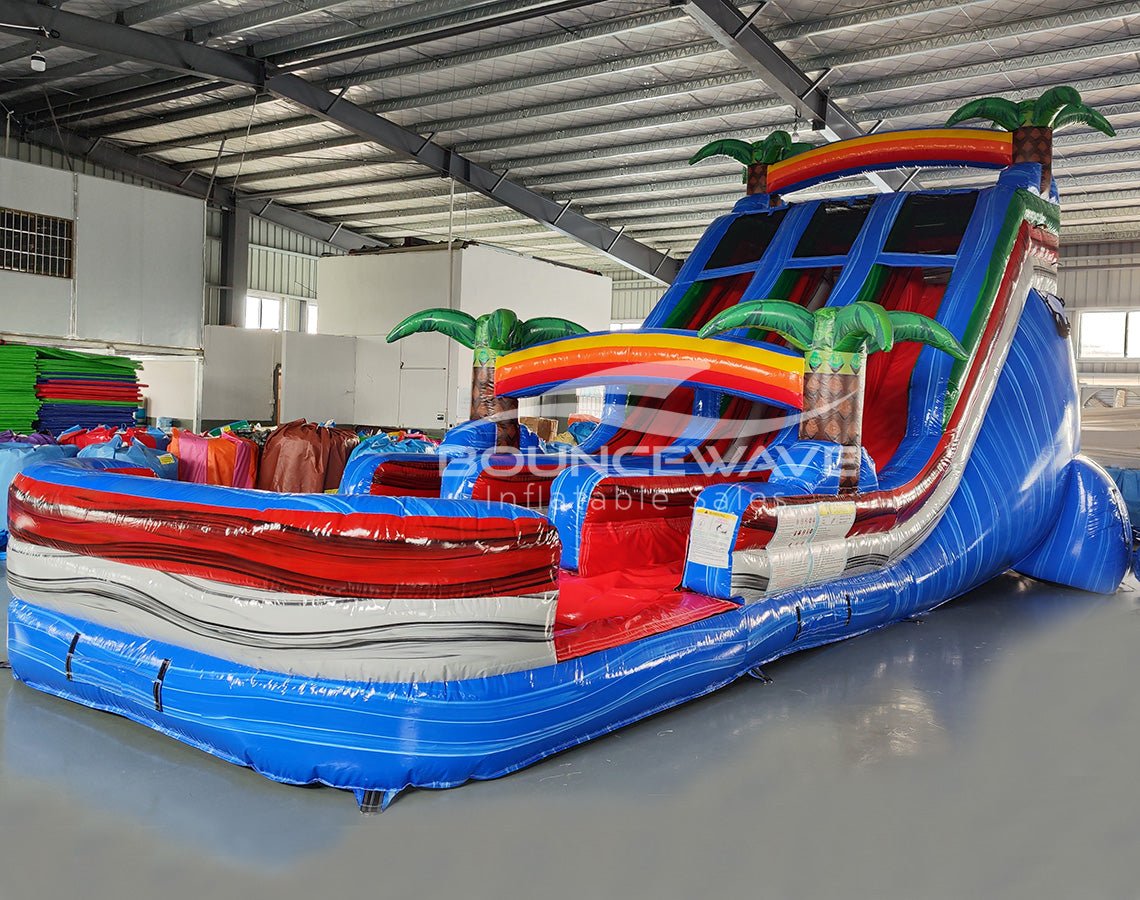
490 336
835 342
1033 123
755 157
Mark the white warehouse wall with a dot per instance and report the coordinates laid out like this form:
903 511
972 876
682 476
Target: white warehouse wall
366 296
35 304
495 278
138 273
171 386
318 377
237 373
424 381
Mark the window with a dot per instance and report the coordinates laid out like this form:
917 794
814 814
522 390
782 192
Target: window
35 244
931 223
591 400
833 229
1109 334
746 240
262 312
311 318
624 326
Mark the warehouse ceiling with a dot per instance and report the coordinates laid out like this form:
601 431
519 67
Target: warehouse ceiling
595 105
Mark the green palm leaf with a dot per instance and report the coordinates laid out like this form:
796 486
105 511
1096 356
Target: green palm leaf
547 328
910 326
772 149
1025 111
459 326
739 150
1052 102
862 323
499 331
1001 112
1078 113
797 148
790 320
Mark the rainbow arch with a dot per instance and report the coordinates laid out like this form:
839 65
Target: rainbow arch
893 150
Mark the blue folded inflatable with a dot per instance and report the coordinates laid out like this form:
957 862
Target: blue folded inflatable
15 456
164 465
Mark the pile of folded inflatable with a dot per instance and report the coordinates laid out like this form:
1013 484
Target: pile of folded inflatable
301 457
133 449
298 457
228 457
85 389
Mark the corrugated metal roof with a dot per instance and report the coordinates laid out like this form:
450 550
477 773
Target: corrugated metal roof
599 105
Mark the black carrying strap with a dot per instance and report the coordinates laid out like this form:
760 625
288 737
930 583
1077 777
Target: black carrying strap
1056 307
70 655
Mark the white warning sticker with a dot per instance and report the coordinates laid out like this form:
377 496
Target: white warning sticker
835 519
828 560
711 537
794 525
789 567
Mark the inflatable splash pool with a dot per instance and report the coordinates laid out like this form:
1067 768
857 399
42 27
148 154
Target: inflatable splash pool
476 615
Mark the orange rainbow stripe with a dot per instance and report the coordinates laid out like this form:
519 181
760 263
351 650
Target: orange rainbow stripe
748 369
893 149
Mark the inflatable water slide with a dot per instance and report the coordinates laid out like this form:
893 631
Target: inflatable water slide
844 412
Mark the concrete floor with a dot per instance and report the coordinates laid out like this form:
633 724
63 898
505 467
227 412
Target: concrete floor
989 751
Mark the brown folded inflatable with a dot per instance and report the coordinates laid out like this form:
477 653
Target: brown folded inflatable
304 458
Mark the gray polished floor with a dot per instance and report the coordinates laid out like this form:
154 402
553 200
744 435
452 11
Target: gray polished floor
990 751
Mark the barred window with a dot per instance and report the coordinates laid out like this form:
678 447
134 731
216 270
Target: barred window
36 244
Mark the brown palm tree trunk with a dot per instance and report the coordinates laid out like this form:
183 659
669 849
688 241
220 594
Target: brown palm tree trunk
757 180
504 411
833 408
483 391
507 423
1032 143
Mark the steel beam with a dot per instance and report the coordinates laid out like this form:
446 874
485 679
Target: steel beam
498 187
133 15
266 15
728 25
204 62
405 26
558 38
1023 27
111 156
723 185
540 79
235 265
696 114
419 26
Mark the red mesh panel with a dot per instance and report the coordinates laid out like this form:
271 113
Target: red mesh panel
888 374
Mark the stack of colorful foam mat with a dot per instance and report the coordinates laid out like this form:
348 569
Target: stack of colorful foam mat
85 389
19 405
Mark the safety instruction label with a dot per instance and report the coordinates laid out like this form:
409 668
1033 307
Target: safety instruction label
801 524
794 525
711 537
835 520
